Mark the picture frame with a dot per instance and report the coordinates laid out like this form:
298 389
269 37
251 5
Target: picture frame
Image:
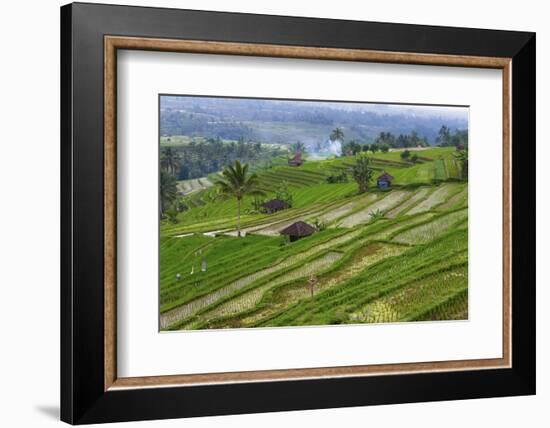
91 35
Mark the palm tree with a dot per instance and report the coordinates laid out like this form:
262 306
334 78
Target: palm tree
297 147
237 181
170 160
337 134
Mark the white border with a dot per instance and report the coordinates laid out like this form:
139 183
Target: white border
143 351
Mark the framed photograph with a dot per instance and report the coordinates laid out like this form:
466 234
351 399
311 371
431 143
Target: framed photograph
266 213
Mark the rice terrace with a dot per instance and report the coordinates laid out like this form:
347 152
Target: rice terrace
306 213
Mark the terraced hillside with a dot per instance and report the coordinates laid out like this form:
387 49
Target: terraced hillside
188 187
382 256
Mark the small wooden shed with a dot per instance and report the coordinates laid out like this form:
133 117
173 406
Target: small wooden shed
384 181
298 230
274 205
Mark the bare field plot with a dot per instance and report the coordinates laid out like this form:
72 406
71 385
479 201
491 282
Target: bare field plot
347 208
388 232
437 197
429 231
364 216
418 195
455 201
188 187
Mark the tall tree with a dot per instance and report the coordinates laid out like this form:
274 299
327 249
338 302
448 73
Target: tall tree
168 191
362 172
444 136
386 138
414 138
170 160
351 148
337 134
236 181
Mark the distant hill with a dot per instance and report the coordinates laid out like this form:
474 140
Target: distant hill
285 122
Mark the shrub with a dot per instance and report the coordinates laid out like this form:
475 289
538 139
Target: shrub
319 224
376 214
337 178
283 193
172 214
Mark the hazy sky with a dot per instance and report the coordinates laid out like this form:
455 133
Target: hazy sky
456 112
451 112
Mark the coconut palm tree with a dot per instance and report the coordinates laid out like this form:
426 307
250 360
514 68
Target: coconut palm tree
337 134
170 160
237 181
297 147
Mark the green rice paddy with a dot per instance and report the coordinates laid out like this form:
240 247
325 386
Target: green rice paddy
408 263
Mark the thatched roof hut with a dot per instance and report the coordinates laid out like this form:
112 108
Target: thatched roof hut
296 160
274 205
298 230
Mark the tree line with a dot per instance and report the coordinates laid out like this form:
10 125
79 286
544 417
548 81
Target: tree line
383 142
198 159
386 140
448 138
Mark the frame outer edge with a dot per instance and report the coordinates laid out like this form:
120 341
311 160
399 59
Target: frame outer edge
66 305
524 218
83 26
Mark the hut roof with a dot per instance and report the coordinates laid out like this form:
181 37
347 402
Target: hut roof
385 176
296 160
299 228
275 204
